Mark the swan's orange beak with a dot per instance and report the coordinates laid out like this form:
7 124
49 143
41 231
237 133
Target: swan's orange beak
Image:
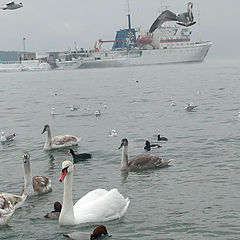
63 175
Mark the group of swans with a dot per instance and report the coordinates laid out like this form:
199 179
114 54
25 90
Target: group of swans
36 185
99 205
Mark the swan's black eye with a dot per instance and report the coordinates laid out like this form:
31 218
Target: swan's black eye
65 169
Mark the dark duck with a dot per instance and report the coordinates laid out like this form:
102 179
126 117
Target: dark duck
148 146
56 212
79 157
161 138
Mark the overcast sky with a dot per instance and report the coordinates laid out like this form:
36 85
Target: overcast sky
54 25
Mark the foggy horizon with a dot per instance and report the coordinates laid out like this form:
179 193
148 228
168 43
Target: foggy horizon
53 26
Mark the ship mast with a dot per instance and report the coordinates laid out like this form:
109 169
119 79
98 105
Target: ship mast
129 18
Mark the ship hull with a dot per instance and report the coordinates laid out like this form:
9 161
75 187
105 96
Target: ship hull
191 53
26 65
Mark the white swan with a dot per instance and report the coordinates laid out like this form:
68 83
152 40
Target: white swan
8 204
98 205
60 141
36 185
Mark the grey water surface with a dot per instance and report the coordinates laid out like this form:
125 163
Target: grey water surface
198 197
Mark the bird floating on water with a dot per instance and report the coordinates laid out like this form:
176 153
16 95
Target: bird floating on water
60 141
73 108
161 138
88 108
5 138
53 112
56 212
36 185
98 205
80 156
113 133
141 162
148 146
8 204
97 113
98 233
190 107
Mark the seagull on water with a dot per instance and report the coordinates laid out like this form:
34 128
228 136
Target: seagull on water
190 107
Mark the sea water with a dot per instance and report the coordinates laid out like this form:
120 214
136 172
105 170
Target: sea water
198 197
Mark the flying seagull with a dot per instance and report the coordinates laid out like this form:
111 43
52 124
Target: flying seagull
12 6
184 19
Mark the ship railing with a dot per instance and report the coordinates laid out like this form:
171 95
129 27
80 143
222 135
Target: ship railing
10 62
19 62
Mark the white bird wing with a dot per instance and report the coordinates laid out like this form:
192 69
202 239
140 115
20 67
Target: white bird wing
15 200
105 207
6 210
89 197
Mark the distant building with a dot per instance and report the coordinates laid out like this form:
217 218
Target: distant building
8 56
26 55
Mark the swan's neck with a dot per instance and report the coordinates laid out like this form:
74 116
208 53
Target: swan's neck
48 139
124 162
28 188
67 215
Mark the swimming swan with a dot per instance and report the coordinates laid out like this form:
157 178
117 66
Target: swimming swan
8 204
98 205
60 141
36 185
141 162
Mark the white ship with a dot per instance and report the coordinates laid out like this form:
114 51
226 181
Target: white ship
161 45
